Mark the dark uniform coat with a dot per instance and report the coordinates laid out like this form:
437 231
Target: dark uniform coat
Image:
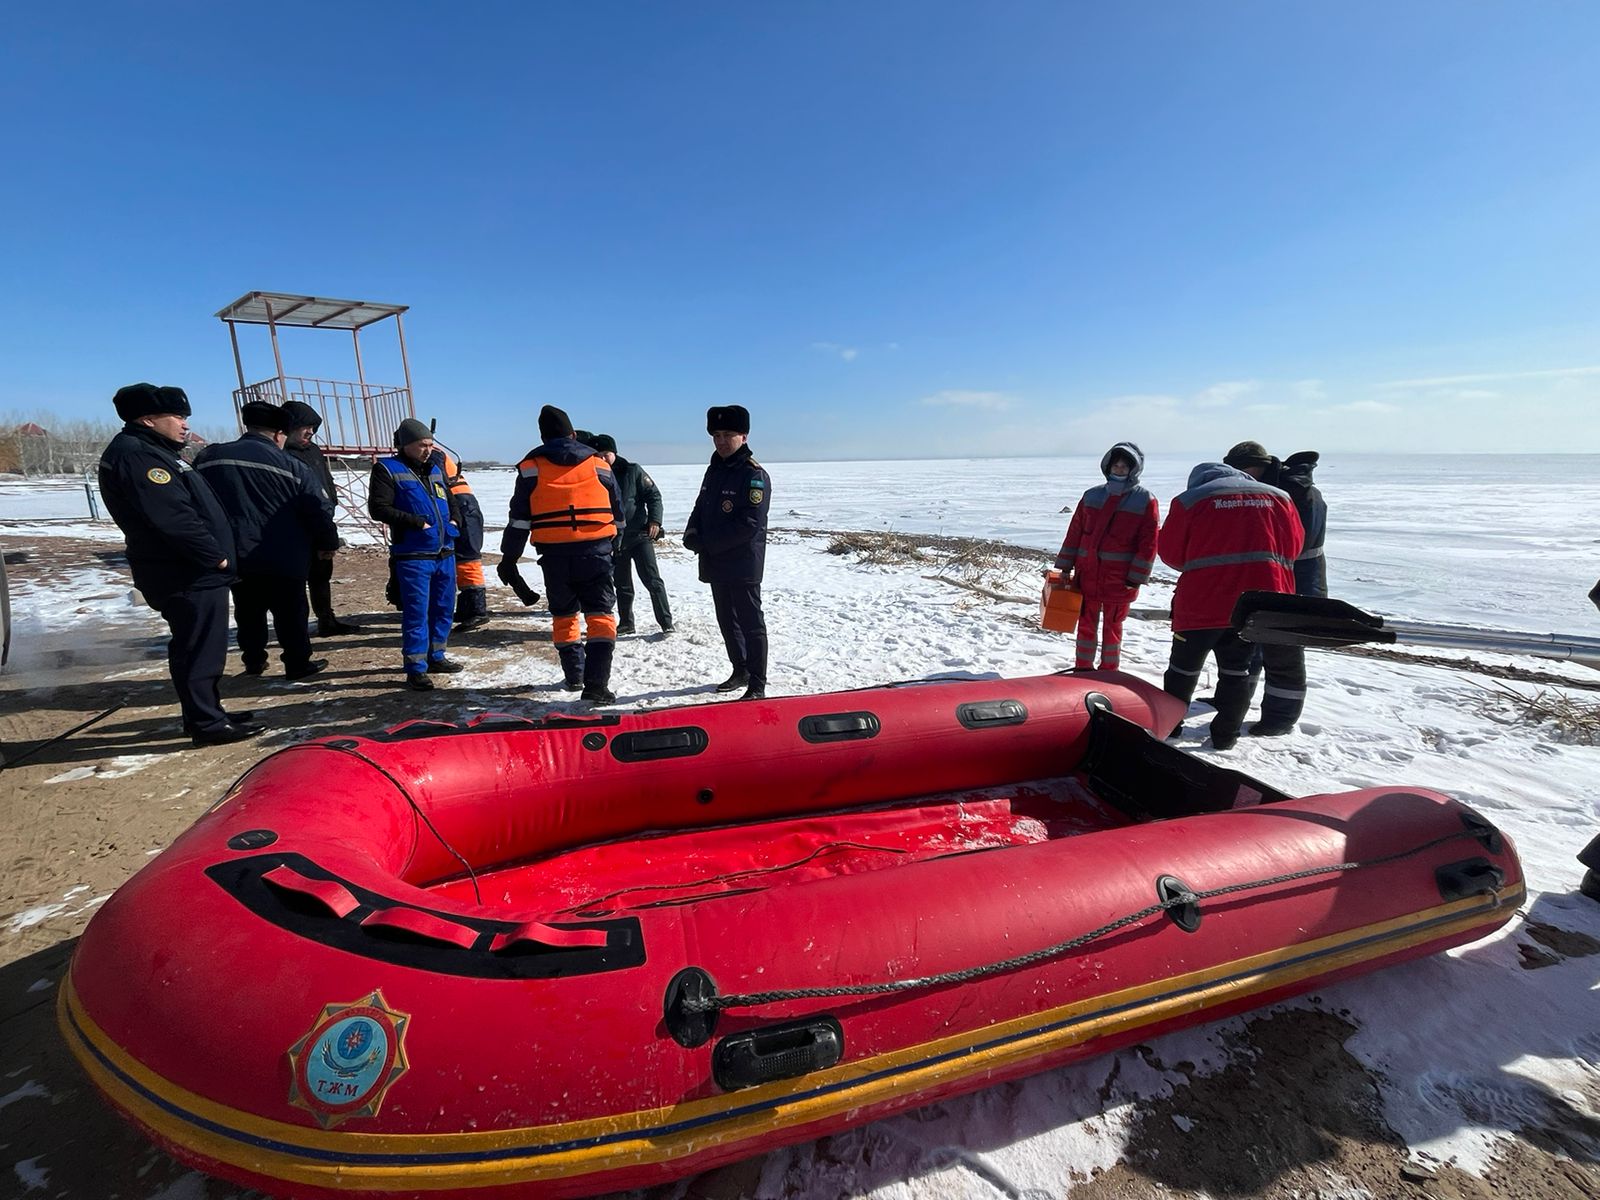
279 510
176 530
1310 569
641 500
728 527
314 460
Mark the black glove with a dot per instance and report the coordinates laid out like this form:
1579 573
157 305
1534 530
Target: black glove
512 578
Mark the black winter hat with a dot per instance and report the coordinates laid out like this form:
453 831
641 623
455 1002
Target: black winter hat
1302 458
553 423
411 430
258 414
147 400
1248 454
297 414
583 437
602 442
735 418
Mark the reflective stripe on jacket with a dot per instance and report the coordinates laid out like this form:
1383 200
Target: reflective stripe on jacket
429 501
1111 541
1228 534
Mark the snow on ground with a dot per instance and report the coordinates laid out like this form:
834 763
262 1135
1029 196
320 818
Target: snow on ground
1463 538
1468 1045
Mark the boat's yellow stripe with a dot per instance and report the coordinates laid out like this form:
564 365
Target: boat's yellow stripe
356 1161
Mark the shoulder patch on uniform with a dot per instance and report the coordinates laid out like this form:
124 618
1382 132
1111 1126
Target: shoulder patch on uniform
158 475
757 493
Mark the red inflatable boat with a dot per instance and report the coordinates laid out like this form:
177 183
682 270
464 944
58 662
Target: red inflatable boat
556 959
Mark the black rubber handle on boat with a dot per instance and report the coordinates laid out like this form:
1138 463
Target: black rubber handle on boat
785 1051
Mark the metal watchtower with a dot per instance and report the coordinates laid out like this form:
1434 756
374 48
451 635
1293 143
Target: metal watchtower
358 418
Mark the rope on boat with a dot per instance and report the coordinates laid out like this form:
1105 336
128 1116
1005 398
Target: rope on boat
415 807
729 876
706 1004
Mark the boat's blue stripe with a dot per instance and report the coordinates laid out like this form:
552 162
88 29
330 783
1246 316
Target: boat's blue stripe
444 1158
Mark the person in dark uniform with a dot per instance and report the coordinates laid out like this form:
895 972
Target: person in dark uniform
408 494
1284 697
280 517
303 421
472 597
180 548
567 503
728 530
1295 477
641 504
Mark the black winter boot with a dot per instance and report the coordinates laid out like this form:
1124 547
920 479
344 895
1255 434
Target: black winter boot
572 665
472 607
597 667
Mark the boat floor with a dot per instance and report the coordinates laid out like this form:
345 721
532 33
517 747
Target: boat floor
659 868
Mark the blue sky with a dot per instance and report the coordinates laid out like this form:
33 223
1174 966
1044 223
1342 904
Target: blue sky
889 229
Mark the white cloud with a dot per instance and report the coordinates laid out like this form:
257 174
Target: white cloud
847 353
1309 390
1369 407
1455 380
1138 401
1220 395
1265 408
994 401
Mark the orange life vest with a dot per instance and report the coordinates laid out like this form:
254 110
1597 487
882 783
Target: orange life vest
453 478
569 503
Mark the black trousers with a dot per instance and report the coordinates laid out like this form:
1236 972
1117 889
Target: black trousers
1235 685
254 596
320 584
1284 697
744 628
641 554
198 653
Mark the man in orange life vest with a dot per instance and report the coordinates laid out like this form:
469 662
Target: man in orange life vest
567 503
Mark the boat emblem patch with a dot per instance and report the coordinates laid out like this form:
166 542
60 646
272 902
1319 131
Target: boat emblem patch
350 1058
158 475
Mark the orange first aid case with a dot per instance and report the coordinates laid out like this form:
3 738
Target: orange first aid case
1059 604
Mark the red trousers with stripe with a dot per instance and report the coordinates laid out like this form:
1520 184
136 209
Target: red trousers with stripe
1102 613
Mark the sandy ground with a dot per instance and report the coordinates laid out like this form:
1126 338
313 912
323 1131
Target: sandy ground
1294 1116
